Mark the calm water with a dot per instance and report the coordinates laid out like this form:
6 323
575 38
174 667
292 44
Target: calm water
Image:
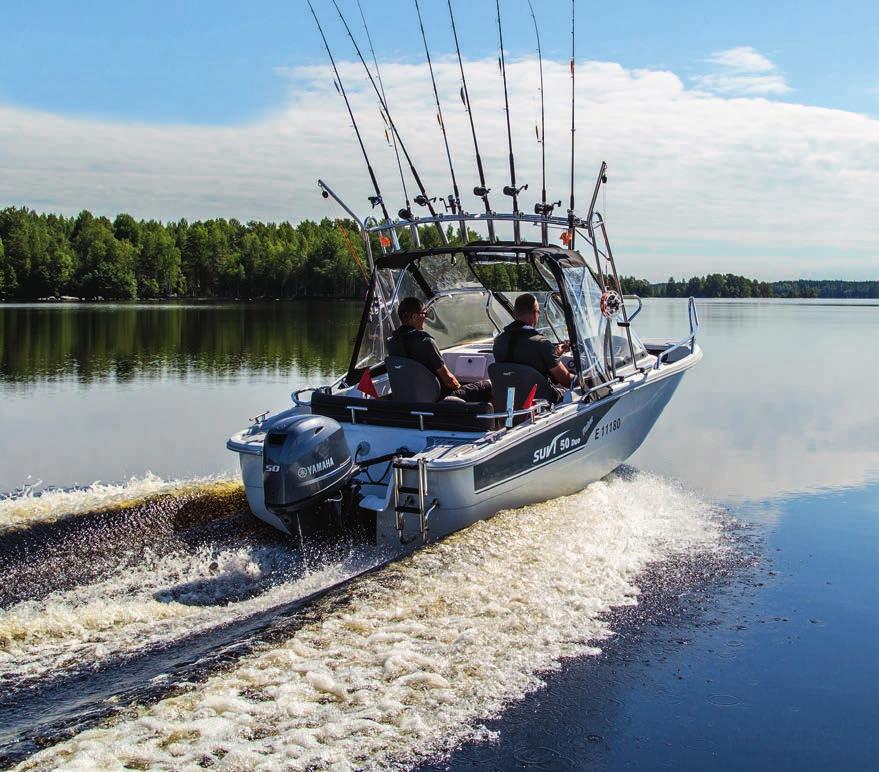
779 425
126 389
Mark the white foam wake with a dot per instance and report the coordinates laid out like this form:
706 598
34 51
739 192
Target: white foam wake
425 648
156 600
28 505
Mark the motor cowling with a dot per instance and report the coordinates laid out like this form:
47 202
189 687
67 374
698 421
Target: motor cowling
305 461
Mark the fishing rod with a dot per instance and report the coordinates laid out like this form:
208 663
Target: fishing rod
393 139
455 198
377 198
481 191
570 240
511 189
543 209
422 199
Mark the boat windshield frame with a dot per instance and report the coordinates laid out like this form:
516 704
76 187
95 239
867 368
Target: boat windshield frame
548 261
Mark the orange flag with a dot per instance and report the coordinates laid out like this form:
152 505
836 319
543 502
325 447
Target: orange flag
366 385
529 400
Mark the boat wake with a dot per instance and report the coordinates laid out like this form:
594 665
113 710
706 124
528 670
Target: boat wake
31 505
418 655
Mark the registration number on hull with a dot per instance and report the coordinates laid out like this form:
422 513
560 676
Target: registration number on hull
610 426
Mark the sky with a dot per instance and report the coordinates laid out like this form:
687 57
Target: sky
741 137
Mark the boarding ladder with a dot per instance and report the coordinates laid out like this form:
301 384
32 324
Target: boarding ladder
408 493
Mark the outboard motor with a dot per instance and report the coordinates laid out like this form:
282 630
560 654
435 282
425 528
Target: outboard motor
305 461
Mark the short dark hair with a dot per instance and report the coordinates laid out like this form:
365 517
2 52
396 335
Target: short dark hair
409 307
525 304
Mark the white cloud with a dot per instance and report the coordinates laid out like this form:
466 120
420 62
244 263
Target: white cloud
697 182
742 70
742 59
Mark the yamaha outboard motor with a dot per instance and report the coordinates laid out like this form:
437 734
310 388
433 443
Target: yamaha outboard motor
305 461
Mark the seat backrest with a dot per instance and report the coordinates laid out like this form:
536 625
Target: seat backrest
411 381
522 378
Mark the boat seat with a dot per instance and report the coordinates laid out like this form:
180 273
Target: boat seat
522 378
411 381
446 415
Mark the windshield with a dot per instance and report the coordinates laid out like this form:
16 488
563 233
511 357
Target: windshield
464 317
598 345
467 301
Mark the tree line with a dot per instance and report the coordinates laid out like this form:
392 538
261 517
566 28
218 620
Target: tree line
92 257
718 285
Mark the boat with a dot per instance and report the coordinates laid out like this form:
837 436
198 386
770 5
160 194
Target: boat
406 468
377 454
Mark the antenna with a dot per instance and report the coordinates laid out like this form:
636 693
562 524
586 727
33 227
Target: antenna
481 191
423 199
543 209
570 240
377 199
382 86
455 198
511 189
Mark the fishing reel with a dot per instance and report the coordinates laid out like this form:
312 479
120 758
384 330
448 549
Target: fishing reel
546 210
610 304
481 192
373 200
405 214
449 204
509 190
423 200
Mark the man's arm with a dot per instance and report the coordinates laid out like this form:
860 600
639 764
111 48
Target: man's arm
561 375
557 371
435 362
447 379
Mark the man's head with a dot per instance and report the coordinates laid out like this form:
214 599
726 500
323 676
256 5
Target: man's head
411 311
526 309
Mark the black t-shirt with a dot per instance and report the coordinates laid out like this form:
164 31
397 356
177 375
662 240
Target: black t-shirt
415 344
521 344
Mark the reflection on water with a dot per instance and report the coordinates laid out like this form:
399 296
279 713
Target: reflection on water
111 392
783 401
121 341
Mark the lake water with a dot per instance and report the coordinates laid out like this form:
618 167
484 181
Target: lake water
752 642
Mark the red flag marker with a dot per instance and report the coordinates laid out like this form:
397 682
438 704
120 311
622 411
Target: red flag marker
366 385
529 400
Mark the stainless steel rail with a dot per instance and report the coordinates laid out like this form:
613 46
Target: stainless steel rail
638 309
689 341
539 406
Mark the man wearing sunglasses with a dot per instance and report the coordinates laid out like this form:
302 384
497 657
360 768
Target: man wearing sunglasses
521 343
412 342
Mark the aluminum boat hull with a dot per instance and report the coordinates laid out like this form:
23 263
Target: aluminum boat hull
472 477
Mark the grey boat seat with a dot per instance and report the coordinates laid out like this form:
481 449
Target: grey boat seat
411 381
522 378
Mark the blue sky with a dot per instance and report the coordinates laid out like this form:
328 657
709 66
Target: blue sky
740 136
216 62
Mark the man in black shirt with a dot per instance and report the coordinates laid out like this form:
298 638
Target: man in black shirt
521 343
412 342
